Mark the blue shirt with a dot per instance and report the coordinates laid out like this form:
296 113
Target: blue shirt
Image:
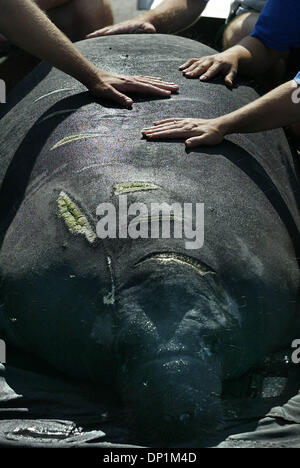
278 26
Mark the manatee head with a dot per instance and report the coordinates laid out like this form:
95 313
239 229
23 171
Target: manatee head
172 316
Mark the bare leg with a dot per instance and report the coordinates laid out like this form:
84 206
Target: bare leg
242 26
77 18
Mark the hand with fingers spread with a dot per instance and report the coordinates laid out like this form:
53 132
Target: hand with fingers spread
134 26
113 86
196 131
206 68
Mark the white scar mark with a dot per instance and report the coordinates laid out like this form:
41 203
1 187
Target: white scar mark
54 92
54 114
71 138
110 299
183 260
74 219
128 187
252 260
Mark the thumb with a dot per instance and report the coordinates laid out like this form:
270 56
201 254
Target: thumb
99 32
229 78
149 28
195 141
112 94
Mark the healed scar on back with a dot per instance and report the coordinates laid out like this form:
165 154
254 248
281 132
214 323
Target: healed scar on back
129 187
202 269
74 219
110 299
54 92
71 138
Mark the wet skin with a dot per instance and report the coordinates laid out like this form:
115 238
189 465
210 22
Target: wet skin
161 326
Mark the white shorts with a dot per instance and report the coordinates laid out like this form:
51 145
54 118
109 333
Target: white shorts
238 7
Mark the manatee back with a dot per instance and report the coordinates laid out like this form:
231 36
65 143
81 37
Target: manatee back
52 95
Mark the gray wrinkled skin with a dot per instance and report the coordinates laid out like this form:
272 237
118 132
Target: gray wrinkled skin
138 318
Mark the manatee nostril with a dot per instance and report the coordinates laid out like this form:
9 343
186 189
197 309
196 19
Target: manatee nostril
185 418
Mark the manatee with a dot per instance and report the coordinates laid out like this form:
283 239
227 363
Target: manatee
162 326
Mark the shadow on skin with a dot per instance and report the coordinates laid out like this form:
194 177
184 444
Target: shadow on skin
256 172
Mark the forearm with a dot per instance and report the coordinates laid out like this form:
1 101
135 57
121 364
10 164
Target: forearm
274 110
254 58
174 15
25 25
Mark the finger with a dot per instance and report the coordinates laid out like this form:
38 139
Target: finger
196 141
100 32
168 86
145 28
204 139
159 122
187 64
158 83
157 78
230 77
168 134
212 71
161 128
196 71
116 96
156 127
173 123
143 88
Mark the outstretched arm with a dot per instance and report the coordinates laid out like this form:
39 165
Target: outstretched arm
279 108
250 56
25 25
169 17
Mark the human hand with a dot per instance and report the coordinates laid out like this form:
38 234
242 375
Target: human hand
138 26
206 68
113 86
196 131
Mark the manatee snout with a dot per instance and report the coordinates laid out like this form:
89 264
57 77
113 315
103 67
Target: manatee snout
170 321
174 400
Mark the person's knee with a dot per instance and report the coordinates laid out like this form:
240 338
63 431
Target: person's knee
238 28
89 15
77 18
